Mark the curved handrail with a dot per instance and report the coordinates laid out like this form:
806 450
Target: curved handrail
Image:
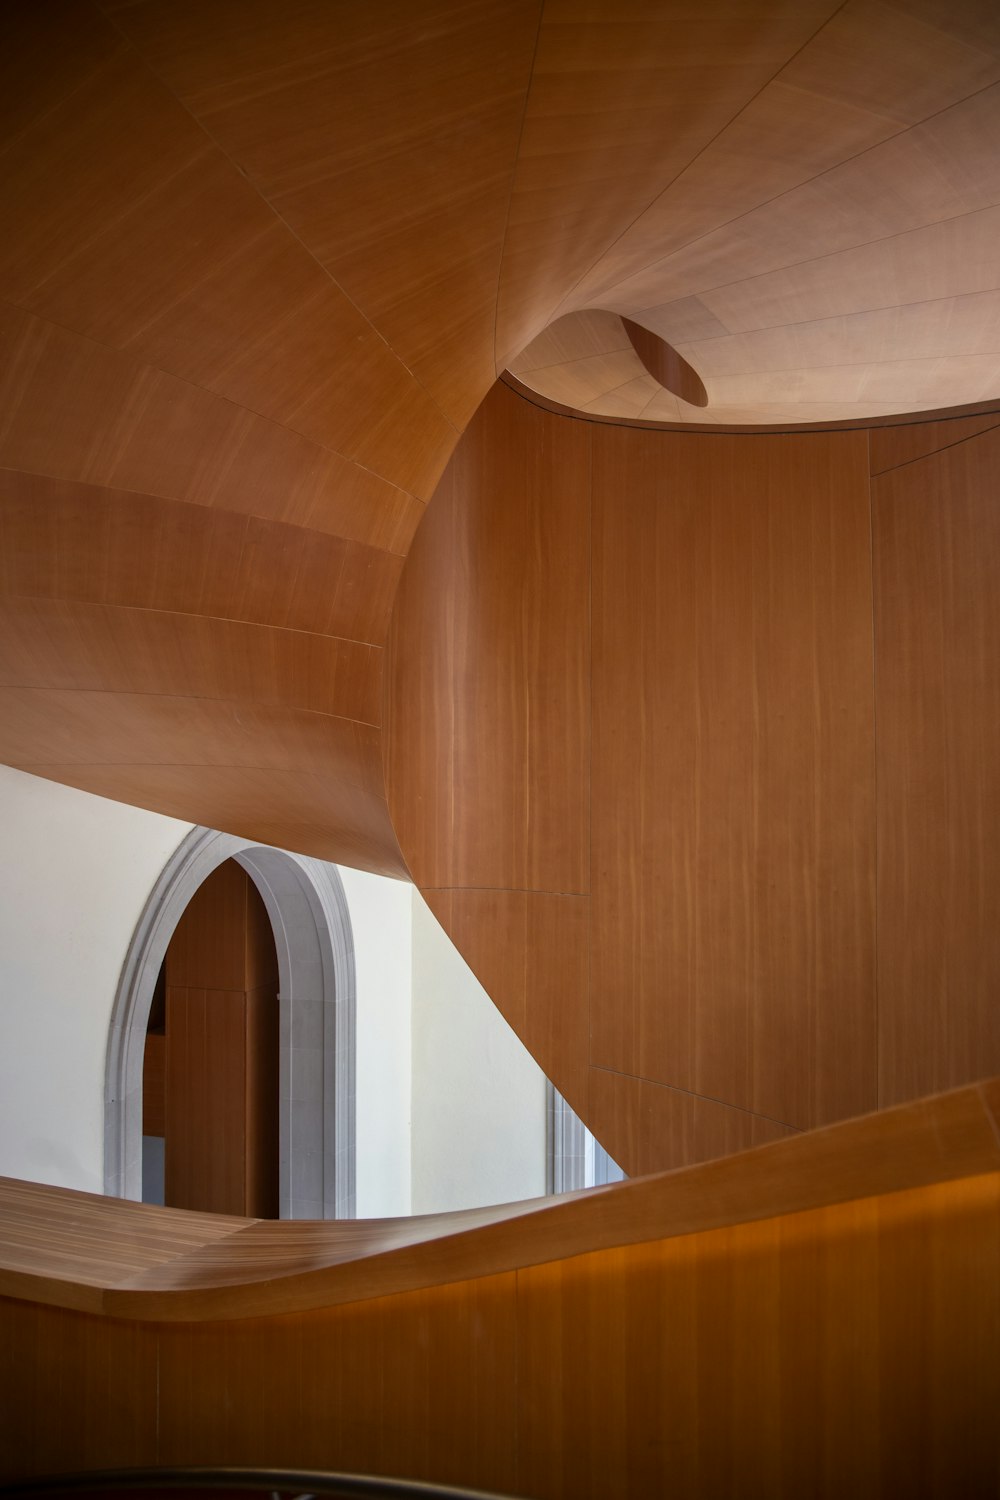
298 1482
166 1265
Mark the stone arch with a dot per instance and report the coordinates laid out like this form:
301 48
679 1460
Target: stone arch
308 911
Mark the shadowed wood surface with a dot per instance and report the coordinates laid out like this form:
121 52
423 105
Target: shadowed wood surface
750 1318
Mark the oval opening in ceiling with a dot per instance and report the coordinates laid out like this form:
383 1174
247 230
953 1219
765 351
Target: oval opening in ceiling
665 365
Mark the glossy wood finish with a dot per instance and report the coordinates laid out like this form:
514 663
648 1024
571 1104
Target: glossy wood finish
221 1066
751 1317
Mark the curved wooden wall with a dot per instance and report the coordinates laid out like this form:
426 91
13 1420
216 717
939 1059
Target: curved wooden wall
709 805
749 1327
686 808
223 413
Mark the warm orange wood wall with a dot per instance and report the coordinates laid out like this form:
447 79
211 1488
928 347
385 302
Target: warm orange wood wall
222 1052
687 733
848 1350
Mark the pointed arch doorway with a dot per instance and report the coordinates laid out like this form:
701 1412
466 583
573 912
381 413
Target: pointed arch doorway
307 909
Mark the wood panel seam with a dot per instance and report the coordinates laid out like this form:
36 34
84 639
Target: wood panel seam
674 1088
215 395
279 218
696 157
922 457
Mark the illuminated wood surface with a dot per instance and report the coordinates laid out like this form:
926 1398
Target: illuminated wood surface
750 1320
263 266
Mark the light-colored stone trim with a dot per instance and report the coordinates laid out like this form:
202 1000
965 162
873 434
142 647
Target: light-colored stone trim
567 1153
307 907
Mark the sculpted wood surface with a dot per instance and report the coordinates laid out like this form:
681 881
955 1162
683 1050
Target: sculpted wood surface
264 265
752 1317
700 653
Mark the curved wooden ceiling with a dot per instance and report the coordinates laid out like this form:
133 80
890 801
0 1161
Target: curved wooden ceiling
263 263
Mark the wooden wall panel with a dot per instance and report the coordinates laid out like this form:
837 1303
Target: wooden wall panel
488 765
937 565
702 668
655 1128
75 1391
733 770
849 1348
205 1099
221 1124
154 1061
421 1385
780 1358
531 953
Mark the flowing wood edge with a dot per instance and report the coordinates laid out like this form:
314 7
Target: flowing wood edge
744 429
135 1261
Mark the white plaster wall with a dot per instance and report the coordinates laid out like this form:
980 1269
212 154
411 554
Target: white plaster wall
478 1097
381 917
75 871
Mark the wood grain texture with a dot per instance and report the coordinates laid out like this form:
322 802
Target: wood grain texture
893 446
387 147
602 136
265 267
488 761
704 670
221 1066
134 1260
817 1315
153 1084
733 770
937 561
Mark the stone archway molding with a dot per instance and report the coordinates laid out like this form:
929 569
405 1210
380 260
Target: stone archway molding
308 910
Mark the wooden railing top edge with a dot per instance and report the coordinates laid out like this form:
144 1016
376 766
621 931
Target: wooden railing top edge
270 1268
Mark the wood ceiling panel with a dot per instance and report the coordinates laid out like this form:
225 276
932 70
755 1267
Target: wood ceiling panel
35 76
937 561
101 546
76 726
388 148
114 648
871 72
74 409
216 287
260 255
939 170
620 102
312 813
